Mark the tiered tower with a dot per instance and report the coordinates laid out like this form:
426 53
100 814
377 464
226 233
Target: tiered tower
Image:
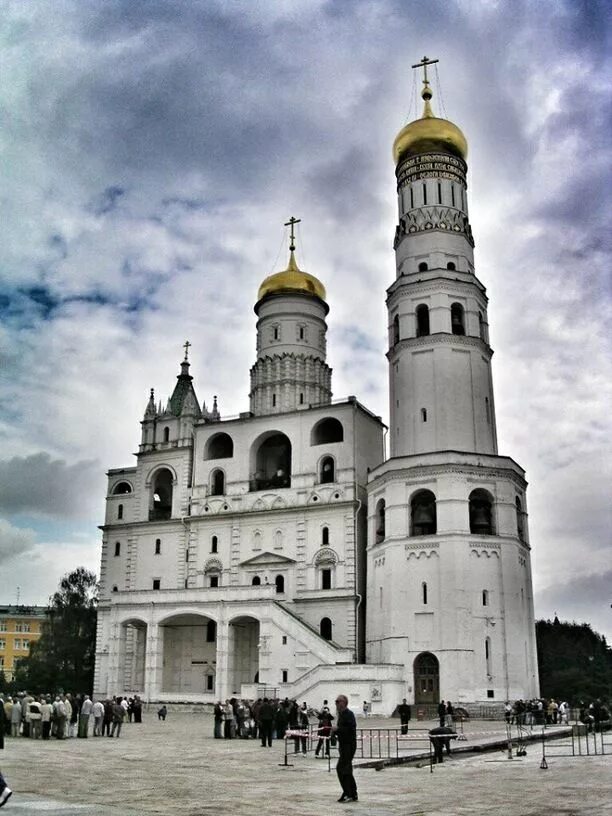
449 584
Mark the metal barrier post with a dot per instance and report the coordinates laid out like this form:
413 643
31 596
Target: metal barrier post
285 764
543 763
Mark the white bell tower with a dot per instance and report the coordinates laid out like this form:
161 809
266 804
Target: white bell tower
449 577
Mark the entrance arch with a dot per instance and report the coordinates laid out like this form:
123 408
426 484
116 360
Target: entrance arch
243 663
190 654
426 679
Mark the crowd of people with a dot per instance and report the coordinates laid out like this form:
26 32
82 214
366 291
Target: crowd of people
63 716
543 711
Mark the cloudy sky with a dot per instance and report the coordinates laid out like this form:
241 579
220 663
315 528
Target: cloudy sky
149 154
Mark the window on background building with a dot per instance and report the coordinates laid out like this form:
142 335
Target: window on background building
423 267
115 588
396 330
424 592
117 548
326 578
3 627
219 446
274 400
122 488
520 519
326 628
327 431
214 544
487 645
422 318
485 597
285 676
451 266
157 583
157 546
256 581
17 644
210 682
284 640
119 512
161 499
328 471
166 434
481 328
217 482
213 581
25 644
380 524
490 694
424 414
325 537
481 513
457 319
2 645
280 584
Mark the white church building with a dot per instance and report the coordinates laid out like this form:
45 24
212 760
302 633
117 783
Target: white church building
281 552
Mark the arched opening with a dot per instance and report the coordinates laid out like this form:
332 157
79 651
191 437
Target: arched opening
326 628
217 483
457 319
422 318
214 544
280 584
119 512
243 653
161 496
426 679
520 519
325 537
451 266
189 653
117 548
327 431
423 516
423 267
327 473
122 488
256 581
219 446
481 327
396 330
166 434
132 655
158 546
272 461
380 521
481 513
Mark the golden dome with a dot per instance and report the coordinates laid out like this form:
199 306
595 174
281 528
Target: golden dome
428 135
292 279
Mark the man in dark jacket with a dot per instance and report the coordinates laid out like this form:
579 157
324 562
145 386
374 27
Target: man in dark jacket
441 713
440 738
404 711
266 718
346 735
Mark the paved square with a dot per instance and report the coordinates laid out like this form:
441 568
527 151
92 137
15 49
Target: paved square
176 767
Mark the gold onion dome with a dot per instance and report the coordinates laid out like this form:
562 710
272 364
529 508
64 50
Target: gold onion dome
428 135
290 280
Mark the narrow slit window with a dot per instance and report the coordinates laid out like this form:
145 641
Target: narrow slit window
117 548
424 194
285 675
485 597
411 199
488 410
439 193
157 546
424 414
453 194
301 399
120 512
157 583
424 589
214 544
273 400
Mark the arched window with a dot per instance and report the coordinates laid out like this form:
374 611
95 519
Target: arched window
326 578
485 597
119 511
214 544
217 482
422 318
423 267
115 588
481 513
219 446
423 516
451 266
424 592
325 537
211 631
325 628
327 431
256 581
328 471
166 434
280 584
161 496
271 462
457 319
481 327
396 330
122 488
520 519
158 546
424 414
117 548
278 540
380 521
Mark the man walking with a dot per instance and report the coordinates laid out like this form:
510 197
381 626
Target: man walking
346 735
404 711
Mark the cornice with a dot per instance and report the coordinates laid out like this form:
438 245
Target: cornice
427 471
440 339
419 285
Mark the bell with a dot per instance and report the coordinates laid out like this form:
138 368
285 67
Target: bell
481 519
423 515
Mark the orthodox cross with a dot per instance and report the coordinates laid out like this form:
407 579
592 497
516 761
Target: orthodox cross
187 346
424 63
291 223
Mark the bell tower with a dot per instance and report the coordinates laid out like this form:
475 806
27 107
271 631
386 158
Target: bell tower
449 575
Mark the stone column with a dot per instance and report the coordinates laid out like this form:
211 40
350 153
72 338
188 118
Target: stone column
154 662
222 684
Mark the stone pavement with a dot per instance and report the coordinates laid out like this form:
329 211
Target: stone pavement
176 768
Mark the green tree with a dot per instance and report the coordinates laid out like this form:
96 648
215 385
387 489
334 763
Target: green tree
63 657
575 662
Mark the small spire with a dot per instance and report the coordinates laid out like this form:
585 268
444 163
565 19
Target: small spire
215 410
150 410
186 346
426 93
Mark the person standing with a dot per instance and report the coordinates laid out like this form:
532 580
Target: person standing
137 706
218 714
324 731
228 720
97 710
84 715
441 713
59 712
15 717
405 712
266 718
5 791
35 719
118 717
45 717
346 735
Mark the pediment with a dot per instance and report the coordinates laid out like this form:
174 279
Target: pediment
267 558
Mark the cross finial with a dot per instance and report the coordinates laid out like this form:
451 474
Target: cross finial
424 63
187 346
291 223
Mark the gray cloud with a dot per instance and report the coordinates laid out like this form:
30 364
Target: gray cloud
14 541
584 599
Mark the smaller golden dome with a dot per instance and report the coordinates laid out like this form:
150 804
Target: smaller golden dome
429 134
292 279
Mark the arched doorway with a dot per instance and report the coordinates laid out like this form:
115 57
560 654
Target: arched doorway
426 679
243 663
190 654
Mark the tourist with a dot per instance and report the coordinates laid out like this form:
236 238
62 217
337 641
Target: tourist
8 709
266 718
46 712
325 728
15 717
440 738
449 712
346 734
218 715
118 717
441 713
366 708
72 714
84 714
97 710
59 717
137 707
162 713
303 725
228 720
35 719
280 721
5 791
404 711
